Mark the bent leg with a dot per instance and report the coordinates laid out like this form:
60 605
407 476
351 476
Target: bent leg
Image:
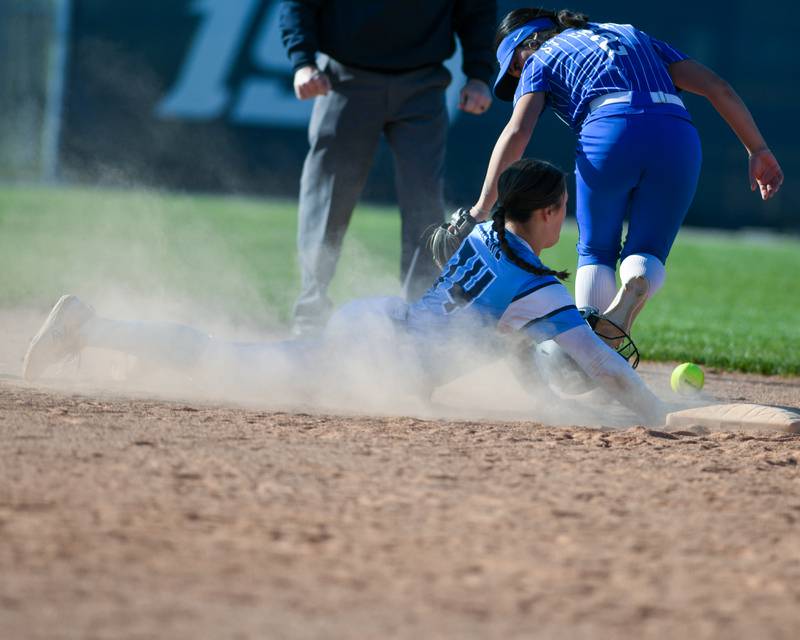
667 187
658 205
595 286
646 266
604 180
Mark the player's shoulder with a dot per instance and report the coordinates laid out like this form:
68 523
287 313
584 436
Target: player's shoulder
483 233
541 57
625 30
546 58
611 26
566 42
533 286
485 242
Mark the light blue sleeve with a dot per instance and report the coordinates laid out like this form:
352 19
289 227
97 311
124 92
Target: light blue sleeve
554 323
542 310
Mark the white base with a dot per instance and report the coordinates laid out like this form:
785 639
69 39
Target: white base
735 417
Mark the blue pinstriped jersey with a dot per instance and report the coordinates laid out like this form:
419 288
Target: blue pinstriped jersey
480 285
579 65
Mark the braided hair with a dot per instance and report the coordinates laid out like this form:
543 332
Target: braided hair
563 19
525 186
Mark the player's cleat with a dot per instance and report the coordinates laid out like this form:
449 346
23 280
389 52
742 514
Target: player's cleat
58 338
622 311
614 326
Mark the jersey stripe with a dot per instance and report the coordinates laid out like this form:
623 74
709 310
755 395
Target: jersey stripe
579 65
547 316
537 305
557 321
536 288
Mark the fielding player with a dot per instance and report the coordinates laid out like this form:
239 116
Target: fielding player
494 283
638 154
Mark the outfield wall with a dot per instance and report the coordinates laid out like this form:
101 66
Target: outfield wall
197 95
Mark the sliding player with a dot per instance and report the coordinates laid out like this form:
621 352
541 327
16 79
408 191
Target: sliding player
495 284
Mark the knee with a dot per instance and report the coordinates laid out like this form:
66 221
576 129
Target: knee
647 265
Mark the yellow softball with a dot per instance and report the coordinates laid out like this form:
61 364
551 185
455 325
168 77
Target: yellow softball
687 378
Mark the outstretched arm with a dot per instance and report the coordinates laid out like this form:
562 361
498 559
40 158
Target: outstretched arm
547 313
509 148
612 373
765 172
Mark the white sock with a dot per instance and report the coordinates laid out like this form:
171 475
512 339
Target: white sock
595 286
643 264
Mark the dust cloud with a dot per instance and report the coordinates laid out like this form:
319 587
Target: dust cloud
131 269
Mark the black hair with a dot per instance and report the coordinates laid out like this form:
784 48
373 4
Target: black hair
525 186
563 19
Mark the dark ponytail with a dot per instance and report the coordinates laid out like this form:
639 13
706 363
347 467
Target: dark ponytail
563 19
527 185
571 20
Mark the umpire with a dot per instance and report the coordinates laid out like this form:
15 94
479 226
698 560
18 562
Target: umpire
376 67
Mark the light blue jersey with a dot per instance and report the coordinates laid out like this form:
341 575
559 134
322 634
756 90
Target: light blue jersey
480 285
579 65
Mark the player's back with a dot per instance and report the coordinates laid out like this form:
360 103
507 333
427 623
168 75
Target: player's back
477 285
482 296
579 65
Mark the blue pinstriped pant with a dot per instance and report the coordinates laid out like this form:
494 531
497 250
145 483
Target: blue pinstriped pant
642 167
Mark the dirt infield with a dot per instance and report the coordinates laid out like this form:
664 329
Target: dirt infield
126 517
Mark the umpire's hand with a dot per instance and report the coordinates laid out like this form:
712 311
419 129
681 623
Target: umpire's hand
310 82
476 97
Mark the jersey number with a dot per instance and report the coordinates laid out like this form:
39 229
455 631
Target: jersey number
466 279
609 42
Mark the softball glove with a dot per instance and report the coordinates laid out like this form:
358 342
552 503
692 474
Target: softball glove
448 236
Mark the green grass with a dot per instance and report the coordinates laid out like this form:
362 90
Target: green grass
235 256
730 301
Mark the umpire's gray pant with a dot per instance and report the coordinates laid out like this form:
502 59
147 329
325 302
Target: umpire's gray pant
346 125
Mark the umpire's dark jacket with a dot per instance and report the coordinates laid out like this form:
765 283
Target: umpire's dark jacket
391 36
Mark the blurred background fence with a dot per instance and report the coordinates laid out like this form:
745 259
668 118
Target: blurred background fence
33 45
196 95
